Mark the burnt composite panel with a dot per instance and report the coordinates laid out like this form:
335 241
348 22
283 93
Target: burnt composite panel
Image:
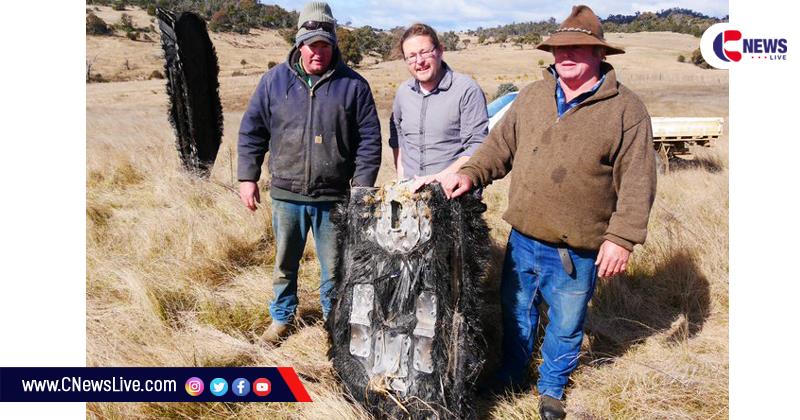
405 322
195 110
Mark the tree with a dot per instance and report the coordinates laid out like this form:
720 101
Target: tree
450 41
96 26
505 88
288 35
532 38
126 23
389 45
89 64
219 21
698 60
348 46
366 38
466 43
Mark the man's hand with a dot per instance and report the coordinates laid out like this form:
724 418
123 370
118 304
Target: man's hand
612 259
248 193
455 184
421 181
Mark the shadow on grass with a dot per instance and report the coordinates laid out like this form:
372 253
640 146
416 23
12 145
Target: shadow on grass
491 322
704 161
674 299
309 315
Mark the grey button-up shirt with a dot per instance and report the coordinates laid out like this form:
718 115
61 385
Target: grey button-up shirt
434 130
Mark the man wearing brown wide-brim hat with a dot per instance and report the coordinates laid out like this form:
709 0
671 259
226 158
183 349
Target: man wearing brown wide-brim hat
581 27
580 144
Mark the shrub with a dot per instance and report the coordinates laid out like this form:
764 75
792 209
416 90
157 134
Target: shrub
119 5
237 73
271 64
541 62
126 23
96 26
97 78
450 41
349 46
530 38
481 39
505 88
698 60
219 21
133 35
243 62
681 59
156 75
288 35
240 28
151 9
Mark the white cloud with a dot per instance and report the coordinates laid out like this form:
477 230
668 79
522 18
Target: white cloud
469 14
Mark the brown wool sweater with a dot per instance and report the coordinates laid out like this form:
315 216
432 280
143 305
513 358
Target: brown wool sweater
578 180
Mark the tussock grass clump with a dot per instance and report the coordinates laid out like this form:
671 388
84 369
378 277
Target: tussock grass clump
172 304
233 318
120 177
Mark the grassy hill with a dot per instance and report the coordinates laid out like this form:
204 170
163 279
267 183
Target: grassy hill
178 270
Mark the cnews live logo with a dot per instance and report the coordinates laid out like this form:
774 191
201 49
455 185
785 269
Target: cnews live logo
722 45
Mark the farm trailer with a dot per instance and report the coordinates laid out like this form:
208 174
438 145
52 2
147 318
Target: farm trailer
673 136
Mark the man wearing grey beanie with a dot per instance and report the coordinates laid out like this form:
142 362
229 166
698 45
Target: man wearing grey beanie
317 119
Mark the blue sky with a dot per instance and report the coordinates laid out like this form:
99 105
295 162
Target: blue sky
461 14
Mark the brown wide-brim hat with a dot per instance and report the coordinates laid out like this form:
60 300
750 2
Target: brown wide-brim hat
581 27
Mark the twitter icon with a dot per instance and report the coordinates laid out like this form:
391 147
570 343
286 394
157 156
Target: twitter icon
218 387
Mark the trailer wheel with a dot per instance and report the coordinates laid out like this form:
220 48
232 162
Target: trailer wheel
662 159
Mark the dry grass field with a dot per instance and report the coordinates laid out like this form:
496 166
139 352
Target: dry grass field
178 271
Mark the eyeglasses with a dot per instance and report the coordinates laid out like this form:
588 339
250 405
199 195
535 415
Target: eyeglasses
423 55
313 25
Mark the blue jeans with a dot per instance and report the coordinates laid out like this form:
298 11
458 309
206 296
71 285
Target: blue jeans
290 223
532 273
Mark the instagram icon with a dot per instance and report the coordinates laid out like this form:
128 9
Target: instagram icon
194 386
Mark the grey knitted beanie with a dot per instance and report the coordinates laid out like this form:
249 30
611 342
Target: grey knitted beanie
317 11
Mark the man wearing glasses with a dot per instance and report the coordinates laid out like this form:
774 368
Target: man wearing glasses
317 118
439 116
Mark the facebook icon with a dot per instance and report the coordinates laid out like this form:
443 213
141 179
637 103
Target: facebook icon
240 387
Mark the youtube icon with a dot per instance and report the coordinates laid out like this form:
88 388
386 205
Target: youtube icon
262 387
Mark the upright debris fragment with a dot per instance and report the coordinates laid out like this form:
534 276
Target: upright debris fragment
191 68
405 324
